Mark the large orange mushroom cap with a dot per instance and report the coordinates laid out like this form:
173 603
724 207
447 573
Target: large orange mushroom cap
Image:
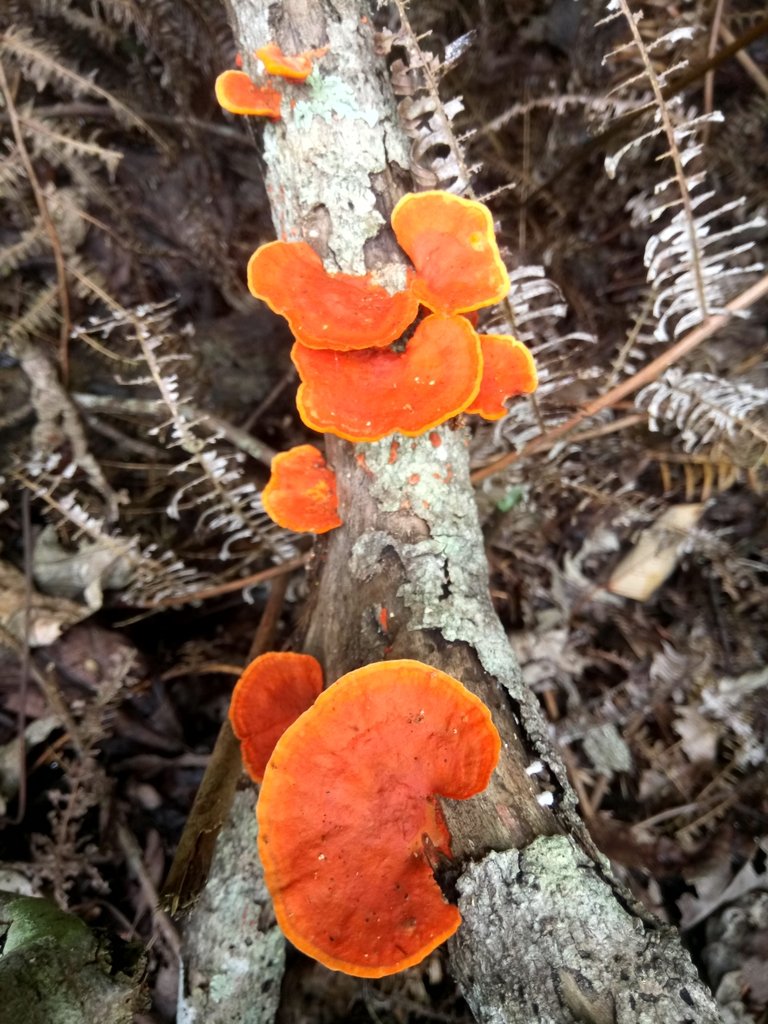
268 697
341 312
363 396
349 796
451 243
508 370
301 492
239 95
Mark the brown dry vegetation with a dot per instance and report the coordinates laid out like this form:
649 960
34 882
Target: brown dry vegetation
143 393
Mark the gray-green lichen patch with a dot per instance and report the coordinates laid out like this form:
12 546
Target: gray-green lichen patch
446 574
233 952
574 924
335 136
329 97
31 919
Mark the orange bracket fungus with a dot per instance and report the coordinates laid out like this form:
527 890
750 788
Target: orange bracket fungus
451 243
349 803
363 396
268 697
341 312
301 492
353 384
298 67
239 95
508 370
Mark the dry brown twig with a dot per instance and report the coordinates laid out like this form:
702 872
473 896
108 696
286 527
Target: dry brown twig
217 789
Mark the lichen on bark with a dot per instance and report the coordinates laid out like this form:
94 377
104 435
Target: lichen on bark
233 952
560 946
321 160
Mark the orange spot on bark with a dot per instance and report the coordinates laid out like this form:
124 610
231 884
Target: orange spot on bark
360 460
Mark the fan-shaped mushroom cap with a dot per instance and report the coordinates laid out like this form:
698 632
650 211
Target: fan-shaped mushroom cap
268 697
508 370
451 243
363 396
341 312
239 95
297 67
301 492
349 796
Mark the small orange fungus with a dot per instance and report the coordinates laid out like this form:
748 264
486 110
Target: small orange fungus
268 697
508 370
363 396
348 802
451 243
339 312
239 95
298 67
301 492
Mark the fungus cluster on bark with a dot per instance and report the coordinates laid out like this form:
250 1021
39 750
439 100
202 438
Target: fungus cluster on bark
350 825
239 94
373 362
353 383
349 822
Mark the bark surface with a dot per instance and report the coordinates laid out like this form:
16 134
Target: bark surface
411 544
233 952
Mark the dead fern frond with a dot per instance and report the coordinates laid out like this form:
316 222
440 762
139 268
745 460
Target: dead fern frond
66 855
40 313
42 64
30 243
105 36
436 160
66 148
214 488
536 303
144 574
701 477
710 412
12 176
692 268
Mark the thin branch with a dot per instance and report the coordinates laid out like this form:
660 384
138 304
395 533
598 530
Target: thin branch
751 68
214 797
709 78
